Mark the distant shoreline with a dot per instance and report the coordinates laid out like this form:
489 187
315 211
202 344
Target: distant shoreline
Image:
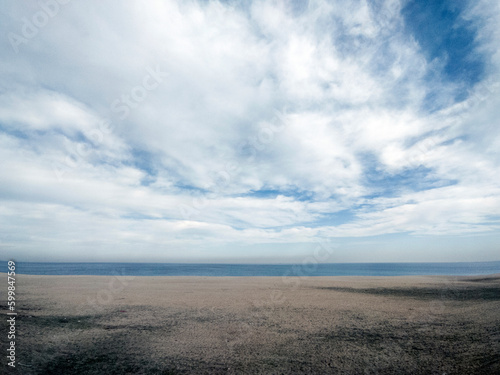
339 277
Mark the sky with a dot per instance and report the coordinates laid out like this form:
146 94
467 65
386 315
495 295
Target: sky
252 131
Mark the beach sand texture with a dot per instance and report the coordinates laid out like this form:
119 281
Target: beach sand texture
255 325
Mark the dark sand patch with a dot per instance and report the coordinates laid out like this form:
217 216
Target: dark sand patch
456 293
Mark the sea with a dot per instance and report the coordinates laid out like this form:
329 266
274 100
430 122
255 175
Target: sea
210 269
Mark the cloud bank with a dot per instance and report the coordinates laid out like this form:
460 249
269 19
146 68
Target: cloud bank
220 131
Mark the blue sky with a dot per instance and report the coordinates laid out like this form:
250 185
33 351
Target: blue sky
207 131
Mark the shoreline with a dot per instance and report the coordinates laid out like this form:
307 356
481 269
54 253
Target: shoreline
377 277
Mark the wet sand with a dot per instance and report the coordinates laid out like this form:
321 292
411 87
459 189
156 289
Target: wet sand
255 325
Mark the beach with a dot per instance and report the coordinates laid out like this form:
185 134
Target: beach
255 325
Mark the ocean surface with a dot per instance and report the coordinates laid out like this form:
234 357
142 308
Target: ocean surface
205 269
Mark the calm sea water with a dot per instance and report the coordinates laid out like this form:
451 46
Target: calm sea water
185 269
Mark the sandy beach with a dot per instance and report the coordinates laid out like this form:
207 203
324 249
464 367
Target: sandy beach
255 325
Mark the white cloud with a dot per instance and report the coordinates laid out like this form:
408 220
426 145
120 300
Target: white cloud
172 125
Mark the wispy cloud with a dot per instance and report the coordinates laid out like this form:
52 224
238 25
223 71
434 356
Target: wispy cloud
211 130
